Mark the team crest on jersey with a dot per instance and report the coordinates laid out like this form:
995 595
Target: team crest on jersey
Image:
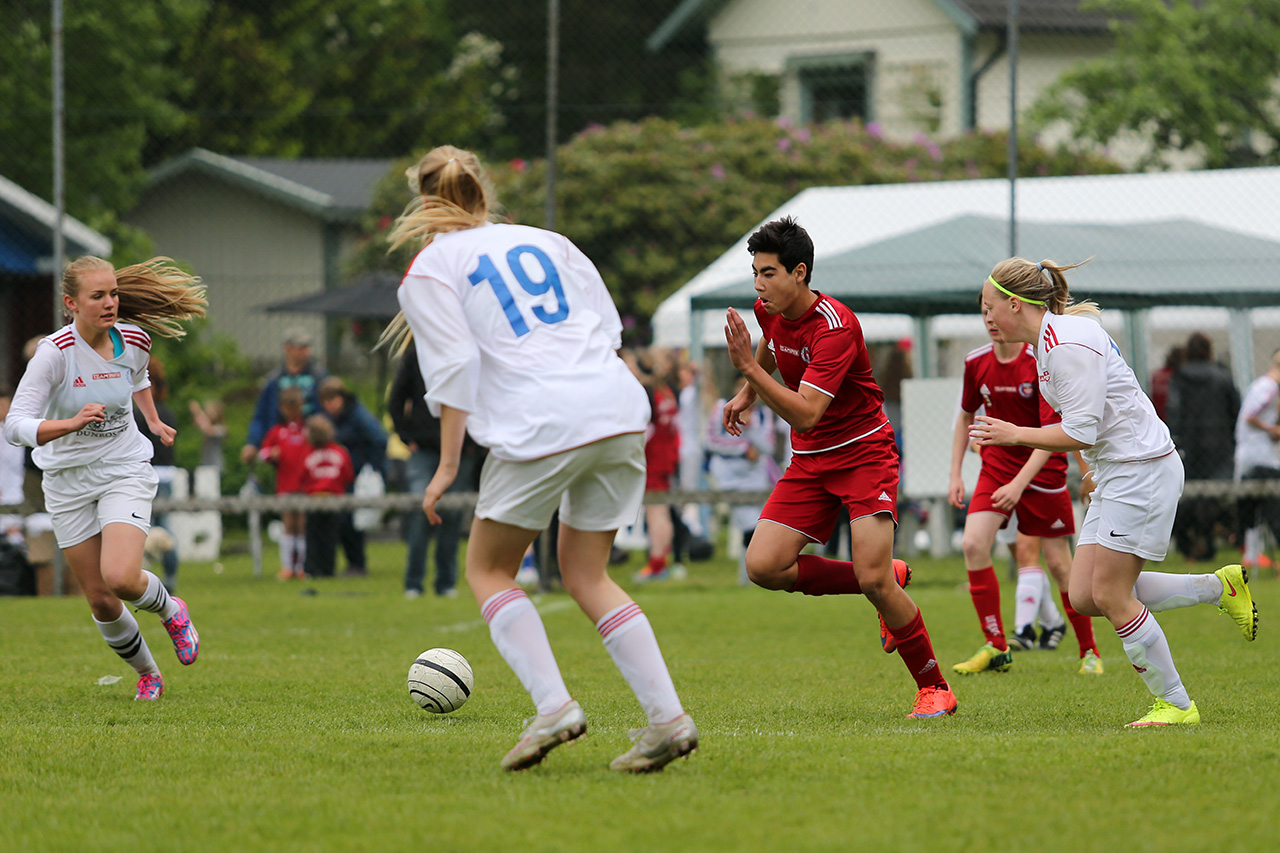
1044 376
986 395
79 383
804 354
1025 390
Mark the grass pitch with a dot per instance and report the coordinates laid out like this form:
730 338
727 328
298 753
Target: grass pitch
295 730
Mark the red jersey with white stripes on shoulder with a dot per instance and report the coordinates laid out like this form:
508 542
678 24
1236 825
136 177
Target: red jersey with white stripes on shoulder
824 349
1010 391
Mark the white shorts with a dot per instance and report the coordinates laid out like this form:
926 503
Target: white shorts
599 486
1134 506
84 499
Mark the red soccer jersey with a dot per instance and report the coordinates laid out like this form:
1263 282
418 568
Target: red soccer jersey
291 439
662 438
327 470
1009 391
824 349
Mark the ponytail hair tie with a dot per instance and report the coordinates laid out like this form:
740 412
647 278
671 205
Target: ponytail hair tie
1040 267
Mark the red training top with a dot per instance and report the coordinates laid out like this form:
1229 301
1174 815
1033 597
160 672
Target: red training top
824 349
662 438
291 438
327 470
1009 391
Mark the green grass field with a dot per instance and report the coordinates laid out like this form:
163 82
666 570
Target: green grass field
295 730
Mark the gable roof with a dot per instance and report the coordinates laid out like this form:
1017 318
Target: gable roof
26 232
969 16
335 190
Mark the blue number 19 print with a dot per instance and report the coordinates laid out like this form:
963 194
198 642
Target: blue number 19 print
486 270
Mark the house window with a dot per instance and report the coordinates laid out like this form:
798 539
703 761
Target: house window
834 88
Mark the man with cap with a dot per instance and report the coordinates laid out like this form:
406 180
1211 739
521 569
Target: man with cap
298 371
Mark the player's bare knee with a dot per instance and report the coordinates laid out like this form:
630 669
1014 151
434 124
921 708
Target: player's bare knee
765 574
976 549
879 587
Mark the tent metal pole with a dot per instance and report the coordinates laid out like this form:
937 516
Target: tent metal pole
1241 325
1012 39
1137 342
926 350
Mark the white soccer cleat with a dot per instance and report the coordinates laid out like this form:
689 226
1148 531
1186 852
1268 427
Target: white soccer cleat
543 734
658 745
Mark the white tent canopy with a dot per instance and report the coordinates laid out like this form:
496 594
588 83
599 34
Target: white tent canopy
843 218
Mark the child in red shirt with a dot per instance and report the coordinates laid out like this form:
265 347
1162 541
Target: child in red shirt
285 447
327 470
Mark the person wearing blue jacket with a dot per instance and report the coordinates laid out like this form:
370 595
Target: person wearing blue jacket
298 371
357 429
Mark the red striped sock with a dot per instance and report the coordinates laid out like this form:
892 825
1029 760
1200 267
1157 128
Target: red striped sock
820 576
984 589
1081 624
917 653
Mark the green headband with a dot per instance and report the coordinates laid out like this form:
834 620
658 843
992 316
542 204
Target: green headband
1000 287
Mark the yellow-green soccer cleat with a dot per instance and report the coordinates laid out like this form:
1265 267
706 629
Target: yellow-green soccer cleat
1090 664
988 658
1163 713
1237 601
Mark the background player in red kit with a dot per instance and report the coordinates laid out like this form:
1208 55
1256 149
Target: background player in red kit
843 446
1001 378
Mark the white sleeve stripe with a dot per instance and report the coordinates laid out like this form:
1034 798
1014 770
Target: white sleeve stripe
833 319
816 388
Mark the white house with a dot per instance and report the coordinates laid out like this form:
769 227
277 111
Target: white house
911 66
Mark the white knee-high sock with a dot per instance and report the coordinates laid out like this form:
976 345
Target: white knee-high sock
629 639
517 631
286 551
1050 616
299 552
1027 596
126 640
1252 545
156 599
1160 591
1148 651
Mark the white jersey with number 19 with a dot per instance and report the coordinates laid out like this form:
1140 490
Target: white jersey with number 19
514 326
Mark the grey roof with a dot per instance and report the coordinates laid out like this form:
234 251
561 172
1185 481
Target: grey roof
332 189
969 15
940 269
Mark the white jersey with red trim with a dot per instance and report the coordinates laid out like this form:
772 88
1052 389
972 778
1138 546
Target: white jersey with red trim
1086 380
64 376
514 326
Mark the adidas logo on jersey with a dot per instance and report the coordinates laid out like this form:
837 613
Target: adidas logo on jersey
884 496
79 383
1057 524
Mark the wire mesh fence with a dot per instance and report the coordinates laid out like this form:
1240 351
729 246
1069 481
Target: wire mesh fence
263 146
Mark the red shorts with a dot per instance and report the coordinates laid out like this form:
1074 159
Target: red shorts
861 476
657 481
1040 513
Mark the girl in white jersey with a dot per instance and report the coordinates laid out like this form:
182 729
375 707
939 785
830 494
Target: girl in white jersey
74 405
1106 415
517 337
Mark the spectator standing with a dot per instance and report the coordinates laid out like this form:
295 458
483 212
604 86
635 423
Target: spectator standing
743 463
326 470
12 476
211 420
356 429
298 371
420 432
1256 458
285 447
164 462
1203 403
662 463
693 453
1161 378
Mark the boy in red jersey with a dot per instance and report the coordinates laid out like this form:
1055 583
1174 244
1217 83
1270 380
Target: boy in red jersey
326 470
844 452
1001 378
285 447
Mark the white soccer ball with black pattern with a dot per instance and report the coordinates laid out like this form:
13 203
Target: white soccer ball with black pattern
440 681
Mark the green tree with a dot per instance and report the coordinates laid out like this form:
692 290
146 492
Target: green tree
334 78
652 203
119 88
1192 77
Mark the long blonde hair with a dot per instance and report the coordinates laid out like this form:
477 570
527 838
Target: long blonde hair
1045 282
454 193
154 294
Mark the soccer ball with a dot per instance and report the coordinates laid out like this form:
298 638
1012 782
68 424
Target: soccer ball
440 680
